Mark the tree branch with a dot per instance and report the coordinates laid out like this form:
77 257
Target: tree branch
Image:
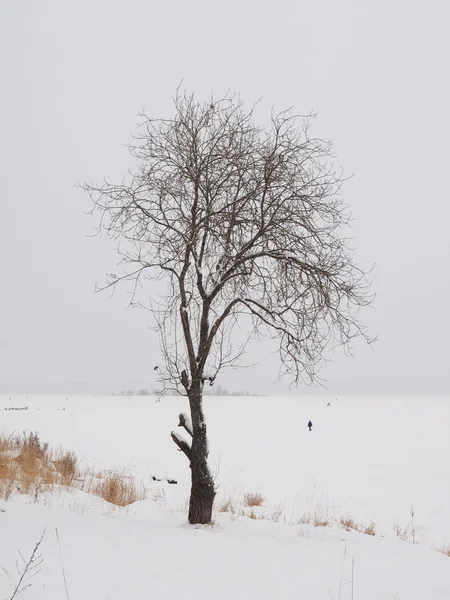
182 444
185 421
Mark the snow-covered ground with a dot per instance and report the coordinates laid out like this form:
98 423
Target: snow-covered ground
369 458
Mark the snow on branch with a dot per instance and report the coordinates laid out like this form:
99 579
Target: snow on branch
182 444
186 422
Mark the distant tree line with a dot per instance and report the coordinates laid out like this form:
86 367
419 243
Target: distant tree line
214 391
142 392
221 391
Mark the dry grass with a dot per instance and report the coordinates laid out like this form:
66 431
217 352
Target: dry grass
247 505
230 500
28 466
7 487
66 466
319 512
320 517
160 497
226 506
25 464
119 489
321 523
405 532
277 514
350 524
253 499
445 551
369 529
324 516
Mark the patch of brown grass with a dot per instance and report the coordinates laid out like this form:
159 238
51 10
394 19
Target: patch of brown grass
350 524
119 489
66 466
25 465
320 517
31 444
28 466
253 499
445 551
321 523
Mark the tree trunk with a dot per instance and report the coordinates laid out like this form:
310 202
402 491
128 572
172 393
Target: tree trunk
202 487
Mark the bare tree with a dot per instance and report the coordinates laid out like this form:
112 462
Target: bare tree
244 225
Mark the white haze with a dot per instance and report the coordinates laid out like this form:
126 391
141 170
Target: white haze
76 74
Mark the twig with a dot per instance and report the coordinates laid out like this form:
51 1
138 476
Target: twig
32 568
342 573
353 573
62 564
412 525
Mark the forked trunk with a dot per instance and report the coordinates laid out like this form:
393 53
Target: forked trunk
202 486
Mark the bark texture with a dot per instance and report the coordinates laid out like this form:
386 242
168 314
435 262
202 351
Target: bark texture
202 483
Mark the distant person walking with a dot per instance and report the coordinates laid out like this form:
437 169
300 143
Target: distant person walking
310 425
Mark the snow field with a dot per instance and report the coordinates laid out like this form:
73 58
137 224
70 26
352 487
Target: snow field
367 459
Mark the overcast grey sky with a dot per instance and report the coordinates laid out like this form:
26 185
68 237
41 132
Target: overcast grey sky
75 74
